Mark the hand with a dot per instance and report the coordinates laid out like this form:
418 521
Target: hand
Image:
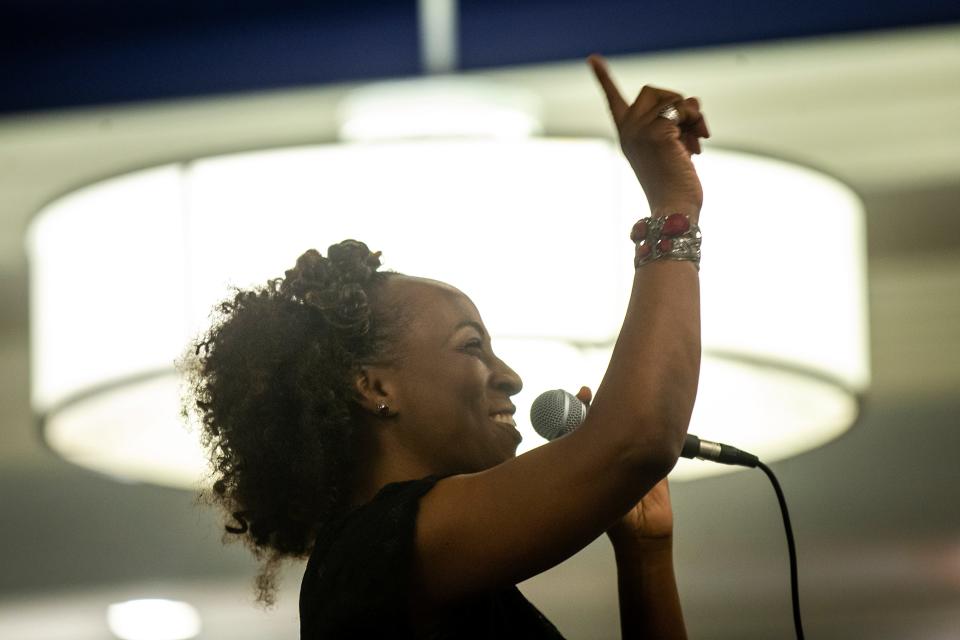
658 150
649 520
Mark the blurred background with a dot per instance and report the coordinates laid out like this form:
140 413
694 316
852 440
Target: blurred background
868 92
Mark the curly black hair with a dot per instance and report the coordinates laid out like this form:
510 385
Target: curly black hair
271 384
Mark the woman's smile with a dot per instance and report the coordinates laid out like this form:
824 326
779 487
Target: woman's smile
505 421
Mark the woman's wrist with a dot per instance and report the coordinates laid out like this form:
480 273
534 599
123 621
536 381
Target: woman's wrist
626 543
663 210
649 561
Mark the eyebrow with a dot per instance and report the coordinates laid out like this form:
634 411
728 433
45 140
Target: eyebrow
470 323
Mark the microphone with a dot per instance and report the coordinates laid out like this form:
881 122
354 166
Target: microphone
556 413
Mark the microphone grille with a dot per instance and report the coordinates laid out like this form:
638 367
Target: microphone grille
556 413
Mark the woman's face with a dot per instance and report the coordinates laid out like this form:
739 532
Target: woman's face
450 385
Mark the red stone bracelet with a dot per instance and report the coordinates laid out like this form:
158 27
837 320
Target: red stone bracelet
675 237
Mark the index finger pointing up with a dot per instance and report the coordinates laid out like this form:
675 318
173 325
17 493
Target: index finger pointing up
617 104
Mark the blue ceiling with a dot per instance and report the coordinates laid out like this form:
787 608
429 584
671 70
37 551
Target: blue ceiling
66 53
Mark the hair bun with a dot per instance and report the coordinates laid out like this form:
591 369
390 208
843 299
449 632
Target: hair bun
354 259
335 285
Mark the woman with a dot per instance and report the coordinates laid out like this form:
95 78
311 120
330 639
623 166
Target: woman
361 419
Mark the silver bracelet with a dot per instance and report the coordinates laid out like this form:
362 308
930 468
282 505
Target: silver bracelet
675 237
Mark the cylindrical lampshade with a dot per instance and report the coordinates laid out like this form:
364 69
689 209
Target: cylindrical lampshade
124 273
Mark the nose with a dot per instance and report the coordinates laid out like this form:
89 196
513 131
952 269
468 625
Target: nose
506 379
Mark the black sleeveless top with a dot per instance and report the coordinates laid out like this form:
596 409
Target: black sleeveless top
356 581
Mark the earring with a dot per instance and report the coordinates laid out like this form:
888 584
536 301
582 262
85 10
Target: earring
383 409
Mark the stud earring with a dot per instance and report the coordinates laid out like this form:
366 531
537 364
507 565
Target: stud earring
383 409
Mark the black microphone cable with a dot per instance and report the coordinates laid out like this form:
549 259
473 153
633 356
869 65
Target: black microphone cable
695 447
791 547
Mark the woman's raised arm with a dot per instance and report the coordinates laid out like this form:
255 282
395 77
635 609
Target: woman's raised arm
500 526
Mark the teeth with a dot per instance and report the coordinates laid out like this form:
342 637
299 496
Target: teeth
505 418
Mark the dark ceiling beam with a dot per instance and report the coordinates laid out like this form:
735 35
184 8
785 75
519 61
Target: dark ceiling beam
70 53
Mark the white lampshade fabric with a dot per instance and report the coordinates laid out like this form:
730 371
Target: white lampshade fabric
125 272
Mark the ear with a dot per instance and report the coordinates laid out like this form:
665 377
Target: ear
374 385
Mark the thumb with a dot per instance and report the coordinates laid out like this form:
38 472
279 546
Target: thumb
585 395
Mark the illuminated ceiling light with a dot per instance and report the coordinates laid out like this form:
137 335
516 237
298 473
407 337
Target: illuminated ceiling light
123 273
449 107
153 619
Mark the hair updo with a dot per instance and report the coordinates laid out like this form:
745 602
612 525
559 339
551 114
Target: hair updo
271 382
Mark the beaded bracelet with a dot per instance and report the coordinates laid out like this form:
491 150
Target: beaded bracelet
674 236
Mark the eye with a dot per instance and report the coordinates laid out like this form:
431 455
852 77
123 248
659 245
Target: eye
474 344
